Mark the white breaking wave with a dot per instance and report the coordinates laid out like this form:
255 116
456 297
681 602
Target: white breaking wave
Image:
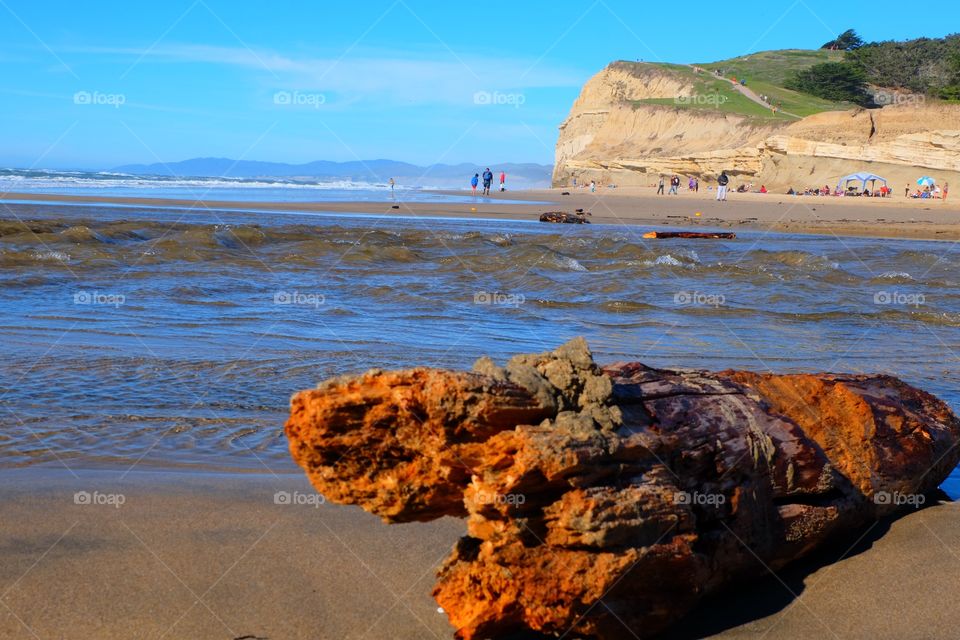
21 180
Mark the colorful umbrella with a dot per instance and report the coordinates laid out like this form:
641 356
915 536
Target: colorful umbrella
926 181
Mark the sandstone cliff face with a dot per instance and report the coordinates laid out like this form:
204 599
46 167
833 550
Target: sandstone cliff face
900 143
610 137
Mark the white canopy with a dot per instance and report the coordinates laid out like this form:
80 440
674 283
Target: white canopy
863 178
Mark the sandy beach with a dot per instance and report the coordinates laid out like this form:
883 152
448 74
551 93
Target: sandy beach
163 555
894 217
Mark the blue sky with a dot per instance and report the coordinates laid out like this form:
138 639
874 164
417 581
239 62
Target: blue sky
95 85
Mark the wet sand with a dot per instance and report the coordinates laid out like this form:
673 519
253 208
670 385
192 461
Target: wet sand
894 217
208 556
219 556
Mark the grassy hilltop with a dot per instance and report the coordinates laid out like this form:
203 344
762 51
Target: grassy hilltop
844 72
765 72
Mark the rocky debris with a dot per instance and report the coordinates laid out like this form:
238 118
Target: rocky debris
606 502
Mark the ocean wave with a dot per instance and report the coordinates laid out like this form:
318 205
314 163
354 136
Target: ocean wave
792 258
23 180
894 275
667 259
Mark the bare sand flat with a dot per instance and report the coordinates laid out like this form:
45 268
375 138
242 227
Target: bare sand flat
190 556
221 556
894 217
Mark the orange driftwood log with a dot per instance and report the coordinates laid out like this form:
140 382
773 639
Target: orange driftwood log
702 235
606 502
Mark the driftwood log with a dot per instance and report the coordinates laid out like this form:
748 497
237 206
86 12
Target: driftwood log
564 218
606 502
690 235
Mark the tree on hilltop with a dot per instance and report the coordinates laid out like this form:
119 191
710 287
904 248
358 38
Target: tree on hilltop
846 41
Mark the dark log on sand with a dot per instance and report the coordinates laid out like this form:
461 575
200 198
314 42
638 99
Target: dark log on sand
564 217
690 234
606 502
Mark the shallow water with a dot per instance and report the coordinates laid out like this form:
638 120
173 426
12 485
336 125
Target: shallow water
176 338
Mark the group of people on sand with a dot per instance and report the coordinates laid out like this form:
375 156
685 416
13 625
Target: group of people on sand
929 191
693 184
592 185
825 190
487 179
883 191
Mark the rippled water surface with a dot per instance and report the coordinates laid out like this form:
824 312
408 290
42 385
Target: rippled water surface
176 338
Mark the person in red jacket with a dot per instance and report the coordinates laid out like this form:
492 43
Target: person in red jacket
503 181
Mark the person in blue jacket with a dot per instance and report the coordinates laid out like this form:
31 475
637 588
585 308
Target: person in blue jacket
474 181
487 181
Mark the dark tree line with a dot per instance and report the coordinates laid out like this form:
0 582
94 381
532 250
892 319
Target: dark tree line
925 65
837 81
930 66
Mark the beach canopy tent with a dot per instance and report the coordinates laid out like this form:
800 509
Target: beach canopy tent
863 178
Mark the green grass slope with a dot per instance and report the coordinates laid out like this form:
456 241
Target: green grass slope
765 73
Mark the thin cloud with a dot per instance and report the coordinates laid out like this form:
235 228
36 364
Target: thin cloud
398 77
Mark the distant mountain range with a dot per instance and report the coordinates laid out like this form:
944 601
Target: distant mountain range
519 175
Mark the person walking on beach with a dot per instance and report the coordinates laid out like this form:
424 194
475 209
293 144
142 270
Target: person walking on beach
674 183
946 188
906 191
722 183
660 186
503 181
392 183
487 181
474 181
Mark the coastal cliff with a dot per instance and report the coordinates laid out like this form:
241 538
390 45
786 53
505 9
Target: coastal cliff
634 121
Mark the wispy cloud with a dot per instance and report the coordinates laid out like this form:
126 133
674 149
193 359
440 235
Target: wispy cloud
396 77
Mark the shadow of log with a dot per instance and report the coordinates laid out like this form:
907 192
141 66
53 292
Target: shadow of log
744 602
